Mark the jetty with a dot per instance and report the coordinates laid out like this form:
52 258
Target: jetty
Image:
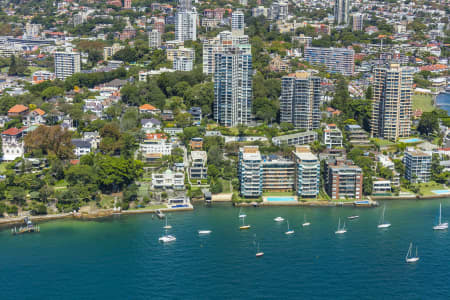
28 228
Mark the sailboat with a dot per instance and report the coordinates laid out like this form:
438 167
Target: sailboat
409 258
241 215
440 226
166 238
258 252
304 221
204 232
243 226
278 219
339 229
167 225
289 231
382 224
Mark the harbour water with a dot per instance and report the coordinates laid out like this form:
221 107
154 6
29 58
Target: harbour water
443 101
120 257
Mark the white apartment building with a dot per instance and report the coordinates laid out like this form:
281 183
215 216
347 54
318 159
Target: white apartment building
332 136
66 64
154 39
182 63
237 22
168 180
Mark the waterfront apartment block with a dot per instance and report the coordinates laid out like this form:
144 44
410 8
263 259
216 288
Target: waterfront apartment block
307 173
300 100
198 169
336 60
343 179
249 171
168 180
67 64
417 166
232 88
332 136
296 139
278 174
391 103
258 174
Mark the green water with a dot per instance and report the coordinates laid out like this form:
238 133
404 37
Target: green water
121 258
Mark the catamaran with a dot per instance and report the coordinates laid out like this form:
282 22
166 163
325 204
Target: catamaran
440 226
409 258
304 221
289 231
167 225
241 215
339 229
166 238
382 224
243 226
258 252
278 219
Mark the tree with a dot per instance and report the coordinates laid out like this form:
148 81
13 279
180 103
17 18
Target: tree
429 123
115 172
50 140
80 174
216 187
183 120
111 138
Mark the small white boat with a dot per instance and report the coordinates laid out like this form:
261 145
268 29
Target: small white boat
353 217
160 214
339 229
258 252
167 238
440 226
167 226
204 232
304 222
409 258
382 223
289 231
241 215
278 219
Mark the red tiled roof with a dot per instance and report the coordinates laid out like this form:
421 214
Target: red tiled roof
155 136
39 111
18 108
147 107
12 131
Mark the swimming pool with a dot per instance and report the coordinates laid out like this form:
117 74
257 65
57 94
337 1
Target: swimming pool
411 140
280 199
440 192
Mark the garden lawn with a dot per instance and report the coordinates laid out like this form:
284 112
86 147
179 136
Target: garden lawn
423 102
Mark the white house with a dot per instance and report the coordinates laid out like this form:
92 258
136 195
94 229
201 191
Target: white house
81 148
12 144
156 143
150 125
168 180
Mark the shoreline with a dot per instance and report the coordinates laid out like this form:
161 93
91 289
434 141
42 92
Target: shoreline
110 212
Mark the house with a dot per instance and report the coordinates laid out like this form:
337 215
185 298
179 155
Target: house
381 186
148 109
18 110
198 168
168 180
81 147
4 120
150 125
92 137
156 143
196 113
35 117
167 115
12 144
332 136
196 144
